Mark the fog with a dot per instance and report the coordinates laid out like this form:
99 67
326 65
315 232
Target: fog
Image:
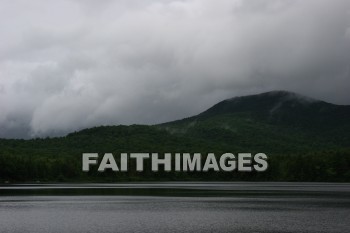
70 64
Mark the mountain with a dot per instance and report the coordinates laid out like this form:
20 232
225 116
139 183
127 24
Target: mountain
281 107
306 140
277 117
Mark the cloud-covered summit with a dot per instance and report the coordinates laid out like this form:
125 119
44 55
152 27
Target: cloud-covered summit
71 64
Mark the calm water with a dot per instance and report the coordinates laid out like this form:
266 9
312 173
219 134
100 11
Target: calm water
176 207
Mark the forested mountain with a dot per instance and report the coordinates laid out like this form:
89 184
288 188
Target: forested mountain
305 139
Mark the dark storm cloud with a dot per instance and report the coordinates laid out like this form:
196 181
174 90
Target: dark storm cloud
66 65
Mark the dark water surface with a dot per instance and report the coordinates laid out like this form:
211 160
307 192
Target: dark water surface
176 207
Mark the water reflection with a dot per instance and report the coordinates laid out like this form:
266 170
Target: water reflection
175 207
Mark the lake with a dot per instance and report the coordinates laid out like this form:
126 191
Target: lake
176 207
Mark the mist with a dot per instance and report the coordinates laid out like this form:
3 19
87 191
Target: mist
70 64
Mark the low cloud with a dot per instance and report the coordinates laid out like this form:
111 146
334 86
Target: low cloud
67 65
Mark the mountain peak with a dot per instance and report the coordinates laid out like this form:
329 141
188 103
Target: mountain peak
281 107
279 96
264 103
264 115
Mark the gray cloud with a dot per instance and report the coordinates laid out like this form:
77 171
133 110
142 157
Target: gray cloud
67 65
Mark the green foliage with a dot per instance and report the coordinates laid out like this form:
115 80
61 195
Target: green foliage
59 159
305 141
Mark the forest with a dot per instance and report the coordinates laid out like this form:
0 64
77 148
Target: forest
304 141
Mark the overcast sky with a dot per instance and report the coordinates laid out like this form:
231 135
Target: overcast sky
72 64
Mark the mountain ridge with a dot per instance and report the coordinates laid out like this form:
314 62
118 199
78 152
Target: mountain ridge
279 107
305 140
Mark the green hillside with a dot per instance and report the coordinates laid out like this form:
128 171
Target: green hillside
305 139
273 121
